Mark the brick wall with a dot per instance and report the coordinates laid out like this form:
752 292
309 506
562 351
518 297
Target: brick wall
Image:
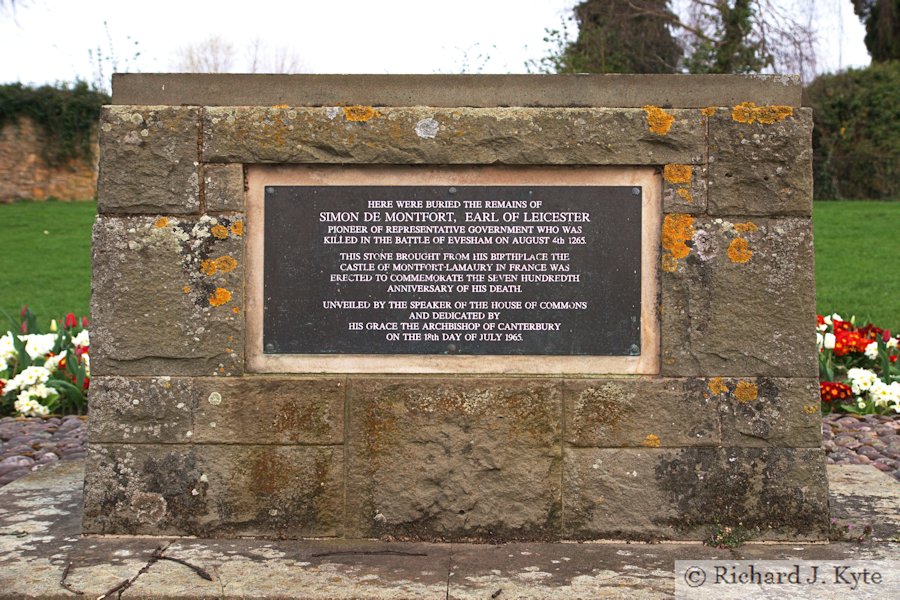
25 174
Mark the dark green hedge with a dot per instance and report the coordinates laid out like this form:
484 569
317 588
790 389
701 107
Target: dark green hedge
856 140
68 115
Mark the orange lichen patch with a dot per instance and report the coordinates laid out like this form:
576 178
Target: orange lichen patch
161 222
229 350
739 250
235 310
208 267
708 111
186 289
237 228
219 231
676 230
669 263
717 386
219 297
745 227
360 113
281 106
651 441
811 409
658 120
678 173
745 391
685 194
749 112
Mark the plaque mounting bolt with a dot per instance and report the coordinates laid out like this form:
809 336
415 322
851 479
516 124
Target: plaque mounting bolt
270 190
270 347
634 350
452 190
635 191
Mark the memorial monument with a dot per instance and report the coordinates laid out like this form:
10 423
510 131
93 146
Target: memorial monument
480 308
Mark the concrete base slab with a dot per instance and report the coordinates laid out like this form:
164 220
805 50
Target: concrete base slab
43 555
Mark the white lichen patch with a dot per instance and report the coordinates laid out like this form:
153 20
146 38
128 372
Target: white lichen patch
427 128
215 398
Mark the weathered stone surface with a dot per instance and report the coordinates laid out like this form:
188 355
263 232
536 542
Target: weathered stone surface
149 160
760 169
643 412
270 411
684 188
773 493
141 411
273 491
223 187
737 299
167 296
454 459
422 135
770 412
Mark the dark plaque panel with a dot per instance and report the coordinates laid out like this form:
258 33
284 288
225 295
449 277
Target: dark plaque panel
516 270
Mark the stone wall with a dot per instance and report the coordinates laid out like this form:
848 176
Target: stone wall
25 174
185 440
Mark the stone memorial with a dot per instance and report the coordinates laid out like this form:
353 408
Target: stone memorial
481 308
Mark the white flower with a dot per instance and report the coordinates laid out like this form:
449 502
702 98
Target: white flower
819 340
86 359
861 403
861 380
880 393
82 340
30 408
821 327
38 344
52 363
892 342
872 350
829 341
27 378
832 318
7 348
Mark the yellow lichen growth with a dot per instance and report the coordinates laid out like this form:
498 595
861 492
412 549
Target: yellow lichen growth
745 227
745 391
219 297
811 409
651 441
281 106
669 263
161 222
237 228
678 173
708 111
685 194
235 310
186 290
749 112
219 231
658 120
225 264
717 386
676 230
739 250
208 267
359 113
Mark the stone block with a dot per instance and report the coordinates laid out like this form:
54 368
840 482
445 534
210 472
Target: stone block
212 490
141 410
425 135
737 298
270 410
772 493
149 160
167 296
769 412
611 413
761 167
684 188
223 187
474 459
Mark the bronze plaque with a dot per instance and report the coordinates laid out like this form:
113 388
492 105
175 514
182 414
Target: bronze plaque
485 270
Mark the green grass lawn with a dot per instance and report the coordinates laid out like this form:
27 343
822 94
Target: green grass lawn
857 259
45 259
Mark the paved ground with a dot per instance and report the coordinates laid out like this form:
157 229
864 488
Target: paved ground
42 555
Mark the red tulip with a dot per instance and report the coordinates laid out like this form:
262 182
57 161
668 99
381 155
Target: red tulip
886 336
24 327
71 321
84 322
24 311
